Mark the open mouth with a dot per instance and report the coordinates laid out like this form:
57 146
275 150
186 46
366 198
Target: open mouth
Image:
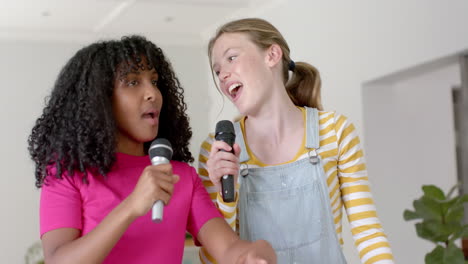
149 115
234 89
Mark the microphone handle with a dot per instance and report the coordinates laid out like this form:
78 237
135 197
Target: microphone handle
227 188
158 207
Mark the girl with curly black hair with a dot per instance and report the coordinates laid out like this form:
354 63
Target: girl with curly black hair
90 149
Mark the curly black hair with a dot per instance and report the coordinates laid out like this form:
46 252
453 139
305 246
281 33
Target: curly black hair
77 132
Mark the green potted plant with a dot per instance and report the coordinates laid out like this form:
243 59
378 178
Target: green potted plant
441 222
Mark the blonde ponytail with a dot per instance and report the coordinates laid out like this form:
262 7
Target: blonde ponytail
304 86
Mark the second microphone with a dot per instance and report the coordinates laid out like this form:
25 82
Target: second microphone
225 132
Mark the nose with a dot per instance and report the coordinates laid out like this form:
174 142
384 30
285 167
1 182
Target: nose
150 92
223 75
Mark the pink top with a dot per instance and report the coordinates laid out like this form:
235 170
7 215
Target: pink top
69 202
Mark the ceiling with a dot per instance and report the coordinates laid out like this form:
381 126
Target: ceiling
171 21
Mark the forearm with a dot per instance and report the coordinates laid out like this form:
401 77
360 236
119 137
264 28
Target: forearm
95 245
226 247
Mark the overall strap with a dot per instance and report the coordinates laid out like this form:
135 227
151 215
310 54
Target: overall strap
312 134
312 128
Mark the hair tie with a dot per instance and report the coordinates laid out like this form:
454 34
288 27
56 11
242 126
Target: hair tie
292 65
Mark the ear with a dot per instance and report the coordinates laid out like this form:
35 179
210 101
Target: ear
273 56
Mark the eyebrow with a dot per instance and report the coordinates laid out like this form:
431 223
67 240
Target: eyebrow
137 73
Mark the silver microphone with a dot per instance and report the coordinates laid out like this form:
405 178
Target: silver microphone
160 152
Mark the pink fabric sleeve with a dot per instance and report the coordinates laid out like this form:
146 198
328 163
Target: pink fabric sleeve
202 208
60 205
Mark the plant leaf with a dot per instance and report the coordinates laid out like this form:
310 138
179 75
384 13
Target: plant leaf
436 256
464 198
434 192
461 232
410 215
454 209
454 213
441 255
433 231
453 255
447 204
428 208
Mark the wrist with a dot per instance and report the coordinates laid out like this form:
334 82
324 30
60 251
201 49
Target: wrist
127 210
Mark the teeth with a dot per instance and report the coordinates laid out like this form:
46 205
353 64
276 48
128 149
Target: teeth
233 86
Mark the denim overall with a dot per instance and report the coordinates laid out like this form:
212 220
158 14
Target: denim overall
288 205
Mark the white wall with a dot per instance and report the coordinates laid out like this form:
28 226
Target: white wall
410 141
352 42
28 71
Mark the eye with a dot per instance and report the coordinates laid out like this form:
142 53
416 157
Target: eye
132 82
216 73
231 58
154 82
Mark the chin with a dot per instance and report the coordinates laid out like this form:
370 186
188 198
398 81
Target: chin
244 110
148 137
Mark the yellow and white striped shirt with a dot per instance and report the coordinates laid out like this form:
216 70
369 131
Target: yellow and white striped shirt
344 165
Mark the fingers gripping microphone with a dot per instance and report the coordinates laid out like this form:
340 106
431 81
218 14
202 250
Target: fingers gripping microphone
225 132
160 152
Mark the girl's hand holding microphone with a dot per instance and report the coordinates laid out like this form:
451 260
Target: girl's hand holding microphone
222 161
156 183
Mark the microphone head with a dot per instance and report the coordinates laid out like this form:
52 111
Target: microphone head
225 132
160 147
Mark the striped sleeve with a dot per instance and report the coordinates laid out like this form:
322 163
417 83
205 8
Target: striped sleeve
329 152
368 234
228 210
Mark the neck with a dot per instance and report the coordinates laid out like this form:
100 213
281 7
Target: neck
276 119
